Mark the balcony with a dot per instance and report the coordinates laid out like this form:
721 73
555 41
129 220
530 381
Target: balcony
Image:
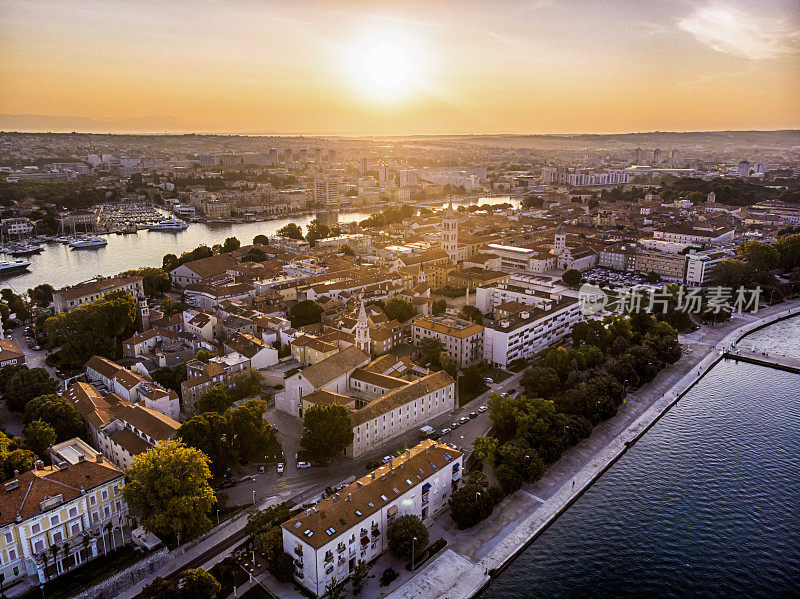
340 548
328 557
298 551
376 533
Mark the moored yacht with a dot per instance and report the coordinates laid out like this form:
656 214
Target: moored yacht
7 267
88 242
170 224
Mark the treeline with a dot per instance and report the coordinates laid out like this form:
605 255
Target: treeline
734 192
567 392
756 263
389 216
66 194
171 261
96 328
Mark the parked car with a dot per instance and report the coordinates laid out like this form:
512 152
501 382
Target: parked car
473 414
303 465
261 469
482 409
227 484
386 459
489 380
463 420
455 425
280 468
445 431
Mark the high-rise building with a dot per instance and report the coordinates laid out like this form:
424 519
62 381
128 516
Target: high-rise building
326 191
638 156
674 158
743 169
273 156
363 165
656 156
407 177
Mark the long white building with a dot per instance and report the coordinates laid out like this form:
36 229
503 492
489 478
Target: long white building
328 540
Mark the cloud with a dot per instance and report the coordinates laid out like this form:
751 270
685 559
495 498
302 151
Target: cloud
732 31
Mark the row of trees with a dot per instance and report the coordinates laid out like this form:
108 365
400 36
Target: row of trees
389 216
235 433
96 328
567 392
756 262
327 431
171 261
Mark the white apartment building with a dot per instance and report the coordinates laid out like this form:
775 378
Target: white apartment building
67 506
326 191
692 236
462 339
328 540
523 334
700 266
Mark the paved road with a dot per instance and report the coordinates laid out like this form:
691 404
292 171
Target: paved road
293 480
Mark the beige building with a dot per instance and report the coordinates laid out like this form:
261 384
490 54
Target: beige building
68 298
328 540
66 506
462 339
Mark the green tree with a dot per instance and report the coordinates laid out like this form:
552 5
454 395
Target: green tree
203 355
405 532
541 381
472 313
471 503
327 431
430 349
26 385
199 584
264 240
439 307
216 399
485 448
231 244
759 256
254 255
170 262
291 231
572 277
42 294
16 304
399 309
7 373
168 486
305 312
252 436
59 413
155 281
170 378
161 588
262 520
347 250
210 433
245 384
359 576
39 436
316 230
788 247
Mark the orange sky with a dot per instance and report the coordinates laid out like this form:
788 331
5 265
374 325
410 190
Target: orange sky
352 67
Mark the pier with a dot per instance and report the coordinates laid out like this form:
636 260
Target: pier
770 360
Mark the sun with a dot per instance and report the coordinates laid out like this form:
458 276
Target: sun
387 69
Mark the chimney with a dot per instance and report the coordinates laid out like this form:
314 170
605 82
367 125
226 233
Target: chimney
38 464
16 473
408 453
99 458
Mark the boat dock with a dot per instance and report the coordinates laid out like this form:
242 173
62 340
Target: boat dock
770 360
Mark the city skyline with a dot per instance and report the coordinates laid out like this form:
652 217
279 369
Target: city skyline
348 68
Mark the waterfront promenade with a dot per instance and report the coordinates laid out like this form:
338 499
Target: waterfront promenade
493 543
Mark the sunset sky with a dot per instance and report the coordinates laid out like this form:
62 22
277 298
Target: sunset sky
360 68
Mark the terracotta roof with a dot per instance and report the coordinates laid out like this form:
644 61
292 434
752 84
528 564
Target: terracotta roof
445 326
9 349
213 265
335 366
37 485
362 498
96 287
130 442
401 396
90 404
247 345
103 366
322 397
377 379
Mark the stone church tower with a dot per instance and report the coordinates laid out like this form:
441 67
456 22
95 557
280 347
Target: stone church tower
362 330
560 243
450 232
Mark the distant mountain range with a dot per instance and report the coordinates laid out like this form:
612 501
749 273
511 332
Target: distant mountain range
38 123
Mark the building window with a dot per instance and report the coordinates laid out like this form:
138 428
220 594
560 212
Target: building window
54 520
9 538
57 537
38 546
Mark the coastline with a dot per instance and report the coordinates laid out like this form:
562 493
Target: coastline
471 582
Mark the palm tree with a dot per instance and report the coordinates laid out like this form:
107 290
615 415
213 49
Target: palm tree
54 549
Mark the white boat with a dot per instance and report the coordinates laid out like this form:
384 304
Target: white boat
63 239
23 249
170 224
7 267
88 242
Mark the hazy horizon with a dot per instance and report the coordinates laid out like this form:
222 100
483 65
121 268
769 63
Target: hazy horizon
399 68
